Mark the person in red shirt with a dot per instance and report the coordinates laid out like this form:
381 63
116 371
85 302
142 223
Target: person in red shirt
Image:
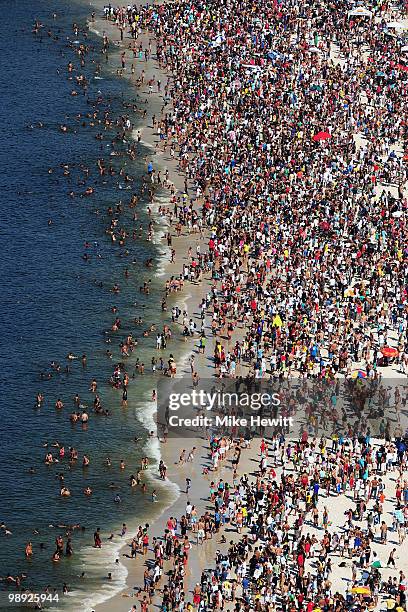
145 543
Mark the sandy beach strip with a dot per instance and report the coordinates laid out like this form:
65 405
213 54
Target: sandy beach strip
202 556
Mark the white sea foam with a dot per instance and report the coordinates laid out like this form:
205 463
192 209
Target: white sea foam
162 261
146 417
139 131
98 562
159 234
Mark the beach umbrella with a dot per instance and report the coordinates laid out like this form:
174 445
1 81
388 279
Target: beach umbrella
360 11
321 136
314 49
361 590
376 564
389 351
359 374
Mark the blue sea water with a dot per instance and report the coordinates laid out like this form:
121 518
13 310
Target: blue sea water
51 303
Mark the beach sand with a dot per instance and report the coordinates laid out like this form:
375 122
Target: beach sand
202 556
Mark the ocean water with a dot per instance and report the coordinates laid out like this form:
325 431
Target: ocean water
53 302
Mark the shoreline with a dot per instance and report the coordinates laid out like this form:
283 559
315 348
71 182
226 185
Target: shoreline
190 296
121 600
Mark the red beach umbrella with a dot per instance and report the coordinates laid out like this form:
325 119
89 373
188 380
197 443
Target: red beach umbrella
388 351
321 136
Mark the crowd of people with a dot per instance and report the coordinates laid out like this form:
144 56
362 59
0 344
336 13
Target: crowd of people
289 121
286 536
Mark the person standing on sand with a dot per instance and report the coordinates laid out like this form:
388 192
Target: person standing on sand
144 605
145 543
191 455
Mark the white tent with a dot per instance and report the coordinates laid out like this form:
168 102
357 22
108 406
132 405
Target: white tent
360 11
